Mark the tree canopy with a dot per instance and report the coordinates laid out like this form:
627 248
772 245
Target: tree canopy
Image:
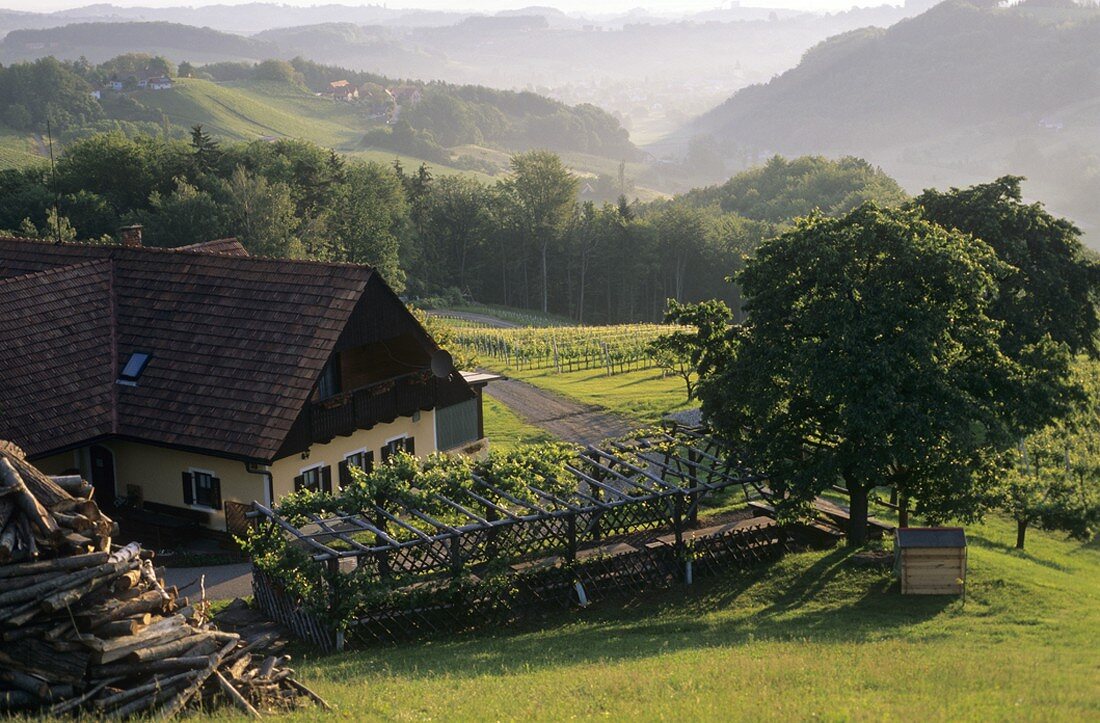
869 357
1049 287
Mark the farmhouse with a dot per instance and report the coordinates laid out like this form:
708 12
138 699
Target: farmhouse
343 90
179 380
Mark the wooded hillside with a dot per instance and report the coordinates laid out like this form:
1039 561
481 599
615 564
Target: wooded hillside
953 96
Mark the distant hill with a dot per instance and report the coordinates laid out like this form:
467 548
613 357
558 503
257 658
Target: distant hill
654 71
101 41
462 128
955 95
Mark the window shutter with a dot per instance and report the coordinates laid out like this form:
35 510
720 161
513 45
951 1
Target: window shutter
299 482
216 493
345 474
188 489
410 445
387 452
326 479
368 462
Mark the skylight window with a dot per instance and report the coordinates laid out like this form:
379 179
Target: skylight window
135 365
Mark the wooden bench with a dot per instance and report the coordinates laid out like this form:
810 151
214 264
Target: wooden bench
837 513
713 531
612 550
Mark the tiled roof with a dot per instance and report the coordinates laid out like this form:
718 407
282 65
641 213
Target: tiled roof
25 256
236 343
55 353
230 246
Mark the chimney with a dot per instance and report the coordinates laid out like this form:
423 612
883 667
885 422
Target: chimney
130 236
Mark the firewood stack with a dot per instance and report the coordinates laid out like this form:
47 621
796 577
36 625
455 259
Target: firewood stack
87 627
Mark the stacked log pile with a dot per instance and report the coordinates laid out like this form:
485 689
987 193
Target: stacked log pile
88 627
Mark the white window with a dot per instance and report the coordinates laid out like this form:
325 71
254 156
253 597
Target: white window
362 459
404 443
317 478
202 488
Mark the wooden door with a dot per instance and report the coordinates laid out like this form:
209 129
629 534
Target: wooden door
103 476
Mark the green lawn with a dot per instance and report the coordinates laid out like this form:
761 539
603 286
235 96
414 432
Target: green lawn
810 637
643 396
505 430
247 110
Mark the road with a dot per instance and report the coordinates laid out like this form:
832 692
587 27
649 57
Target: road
223 582
476 318
565 418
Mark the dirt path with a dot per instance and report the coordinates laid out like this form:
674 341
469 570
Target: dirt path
477 318
565 418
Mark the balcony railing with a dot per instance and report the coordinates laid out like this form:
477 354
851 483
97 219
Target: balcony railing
378 403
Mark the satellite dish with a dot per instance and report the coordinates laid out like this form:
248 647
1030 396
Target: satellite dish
443 364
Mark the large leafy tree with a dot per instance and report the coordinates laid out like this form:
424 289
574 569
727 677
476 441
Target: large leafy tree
1049 286
542 194
869 357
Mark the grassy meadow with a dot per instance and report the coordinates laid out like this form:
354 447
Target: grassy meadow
644 396
247 110
810 637
505 430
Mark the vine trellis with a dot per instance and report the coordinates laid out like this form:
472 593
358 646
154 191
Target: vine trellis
626 516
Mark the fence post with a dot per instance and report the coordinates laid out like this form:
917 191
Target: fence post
456 556
678 529
571 537
333 569
597 513
694 509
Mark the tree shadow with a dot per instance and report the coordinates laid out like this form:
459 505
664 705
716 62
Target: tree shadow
1022 554
808 609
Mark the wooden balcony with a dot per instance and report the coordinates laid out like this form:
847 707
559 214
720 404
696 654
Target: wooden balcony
378 403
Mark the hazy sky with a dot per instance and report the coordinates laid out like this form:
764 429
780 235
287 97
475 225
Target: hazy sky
571 6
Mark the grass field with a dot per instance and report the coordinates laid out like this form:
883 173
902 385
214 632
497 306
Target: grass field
811 637
17 149
505 430
643 396
248 110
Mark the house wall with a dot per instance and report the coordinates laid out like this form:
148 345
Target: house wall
283 471
158 471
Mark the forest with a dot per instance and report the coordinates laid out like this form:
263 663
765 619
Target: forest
528 240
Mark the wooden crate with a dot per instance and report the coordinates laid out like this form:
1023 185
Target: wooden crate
931 560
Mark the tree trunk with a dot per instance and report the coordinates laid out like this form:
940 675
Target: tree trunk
580 304
903 510
545 282
1021 532
857 523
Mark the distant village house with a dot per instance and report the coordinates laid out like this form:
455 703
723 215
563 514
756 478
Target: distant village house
144 79
343 90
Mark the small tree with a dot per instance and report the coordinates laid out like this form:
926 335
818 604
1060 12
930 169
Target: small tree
1053 481
868 357
205 149
681 352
